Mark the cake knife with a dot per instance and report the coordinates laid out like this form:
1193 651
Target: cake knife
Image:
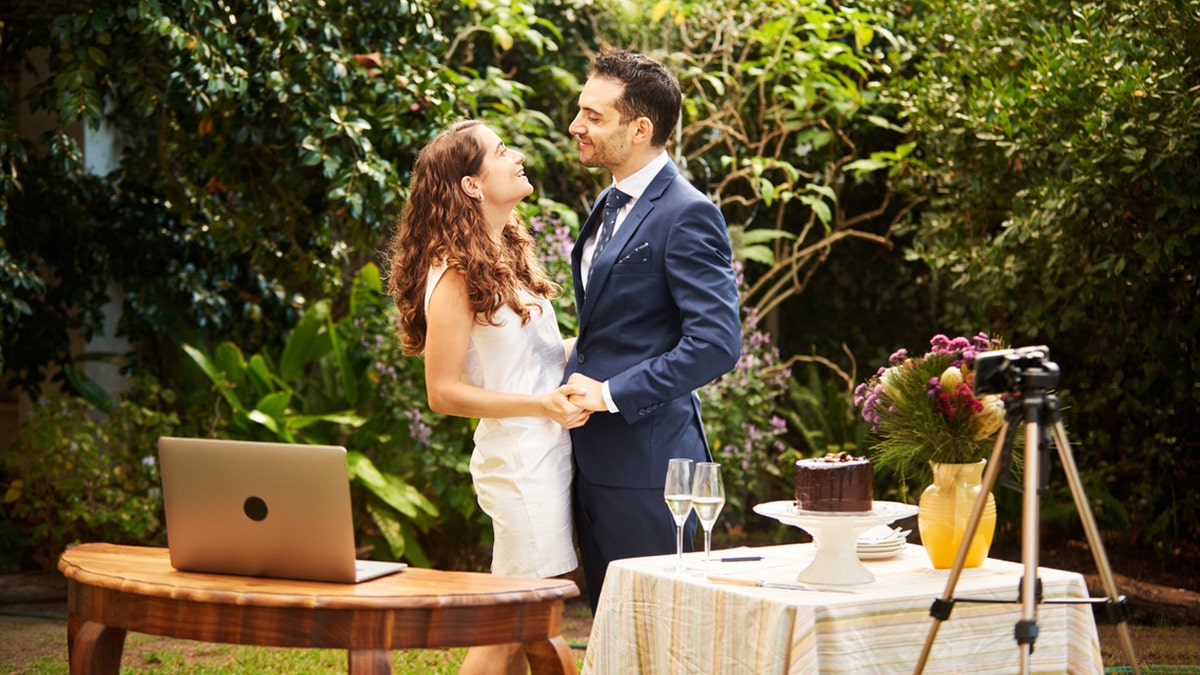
774 584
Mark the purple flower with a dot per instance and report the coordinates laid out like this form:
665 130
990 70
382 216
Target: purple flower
418 430
935 386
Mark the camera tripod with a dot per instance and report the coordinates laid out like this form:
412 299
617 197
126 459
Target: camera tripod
1030 377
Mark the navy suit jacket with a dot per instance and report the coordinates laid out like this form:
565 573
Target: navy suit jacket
659 319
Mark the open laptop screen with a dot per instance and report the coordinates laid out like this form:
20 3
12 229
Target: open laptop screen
260 509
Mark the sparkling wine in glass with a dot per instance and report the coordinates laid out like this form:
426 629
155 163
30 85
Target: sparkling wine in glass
678 492
708 498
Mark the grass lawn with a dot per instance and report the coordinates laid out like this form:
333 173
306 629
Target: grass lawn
33 641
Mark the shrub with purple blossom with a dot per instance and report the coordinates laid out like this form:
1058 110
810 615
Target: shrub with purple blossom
429 450
553 229
745 431
554 242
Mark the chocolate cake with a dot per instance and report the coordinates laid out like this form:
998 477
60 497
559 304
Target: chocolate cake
835 483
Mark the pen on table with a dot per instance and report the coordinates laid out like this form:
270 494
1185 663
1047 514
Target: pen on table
741 558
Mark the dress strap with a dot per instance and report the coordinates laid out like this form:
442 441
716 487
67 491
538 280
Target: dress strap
431 281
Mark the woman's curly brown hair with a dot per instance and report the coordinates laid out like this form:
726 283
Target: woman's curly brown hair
440 223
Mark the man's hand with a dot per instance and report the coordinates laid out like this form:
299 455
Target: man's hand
590 394
563 410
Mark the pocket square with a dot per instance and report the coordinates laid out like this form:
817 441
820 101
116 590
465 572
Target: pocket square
640 254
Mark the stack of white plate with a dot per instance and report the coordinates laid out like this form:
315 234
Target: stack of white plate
881 542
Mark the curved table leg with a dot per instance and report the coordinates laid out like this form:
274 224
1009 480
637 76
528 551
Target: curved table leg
551 656
94 648
370 662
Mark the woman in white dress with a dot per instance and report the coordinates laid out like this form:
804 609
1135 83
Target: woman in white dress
475 301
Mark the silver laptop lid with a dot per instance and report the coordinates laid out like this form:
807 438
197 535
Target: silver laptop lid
258 508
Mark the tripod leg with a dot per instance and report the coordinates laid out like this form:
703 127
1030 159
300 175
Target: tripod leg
1026 629
941 609
1093 535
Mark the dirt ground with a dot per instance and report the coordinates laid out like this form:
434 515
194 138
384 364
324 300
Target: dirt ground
1175 567
1171 575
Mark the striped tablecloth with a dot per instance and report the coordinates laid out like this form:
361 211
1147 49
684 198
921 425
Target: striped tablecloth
653 621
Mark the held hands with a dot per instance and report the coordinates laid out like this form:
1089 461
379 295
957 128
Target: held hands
574 402
589 393
563 410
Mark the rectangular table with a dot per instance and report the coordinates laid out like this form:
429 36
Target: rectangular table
654 621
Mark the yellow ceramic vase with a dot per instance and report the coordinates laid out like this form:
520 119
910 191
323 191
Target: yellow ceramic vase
944 510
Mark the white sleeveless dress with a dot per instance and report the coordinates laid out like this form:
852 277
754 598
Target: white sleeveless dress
521 466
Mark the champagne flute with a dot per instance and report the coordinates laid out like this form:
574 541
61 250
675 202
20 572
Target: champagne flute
678 493
708 498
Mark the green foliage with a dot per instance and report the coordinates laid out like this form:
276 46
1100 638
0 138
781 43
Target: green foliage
823 413
55 246
1062 144
18 279
1041 158
782 124
263 152
321 389
744 430
77 475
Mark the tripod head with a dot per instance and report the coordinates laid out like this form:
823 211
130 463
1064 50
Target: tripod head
1027 375
1015 370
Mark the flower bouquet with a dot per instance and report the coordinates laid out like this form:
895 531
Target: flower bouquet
923 412
924 409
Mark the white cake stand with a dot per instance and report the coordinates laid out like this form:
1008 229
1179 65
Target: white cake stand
836 537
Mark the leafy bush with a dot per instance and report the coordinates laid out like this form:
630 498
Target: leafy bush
783 125
263 152
432 452
77 474
324 388
1061 158
745 433
1042 156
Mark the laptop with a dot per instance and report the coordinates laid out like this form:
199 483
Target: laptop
261 509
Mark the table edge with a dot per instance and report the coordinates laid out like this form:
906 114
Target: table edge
515 590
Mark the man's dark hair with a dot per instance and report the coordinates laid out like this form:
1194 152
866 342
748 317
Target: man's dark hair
651 90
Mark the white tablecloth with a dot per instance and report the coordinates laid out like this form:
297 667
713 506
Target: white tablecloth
653 621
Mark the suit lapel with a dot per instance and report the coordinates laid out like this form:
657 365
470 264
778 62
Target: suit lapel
602 269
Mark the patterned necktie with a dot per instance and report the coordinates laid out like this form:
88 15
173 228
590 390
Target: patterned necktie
616 199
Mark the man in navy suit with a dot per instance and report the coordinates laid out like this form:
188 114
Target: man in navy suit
658 315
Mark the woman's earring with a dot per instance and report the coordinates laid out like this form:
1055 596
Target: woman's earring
480 197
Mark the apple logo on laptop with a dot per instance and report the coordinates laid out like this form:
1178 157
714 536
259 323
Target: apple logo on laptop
255 508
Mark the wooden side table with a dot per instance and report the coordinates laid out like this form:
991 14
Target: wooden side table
114 589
